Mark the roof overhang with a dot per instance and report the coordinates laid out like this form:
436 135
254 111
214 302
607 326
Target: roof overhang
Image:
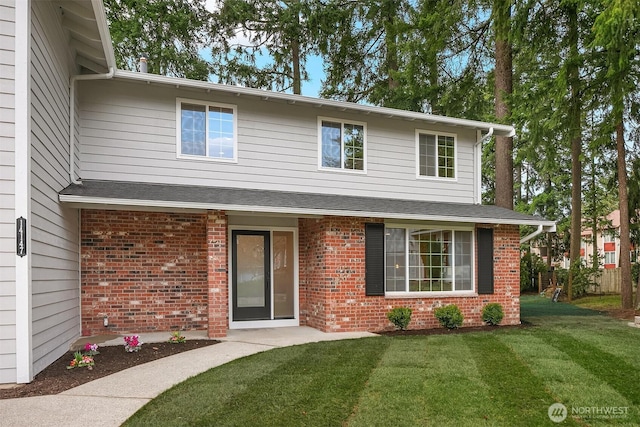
88 37
112 194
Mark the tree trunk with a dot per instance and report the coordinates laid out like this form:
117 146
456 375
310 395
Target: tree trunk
625 236
295 58
391 41
595 262
575 132
503 89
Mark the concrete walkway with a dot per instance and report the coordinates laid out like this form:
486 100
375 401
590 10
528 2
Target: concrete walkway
110 400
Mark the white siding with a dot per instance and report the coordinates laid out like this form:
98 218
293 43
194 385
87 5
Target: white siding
7 189
54 230
128 133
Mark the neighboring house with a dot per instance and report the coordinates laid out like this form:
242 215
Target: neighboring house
135 202
608 243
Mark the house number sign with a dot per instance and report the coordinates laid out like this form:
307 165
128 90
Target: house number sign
21 237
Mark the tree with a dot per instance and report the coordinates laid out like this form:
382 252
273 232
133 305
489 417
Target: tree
617 32
170 32
501 14
264 44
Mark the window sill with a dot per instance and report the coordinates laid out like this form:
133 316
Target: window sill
445 294
339 170
205 159
435 178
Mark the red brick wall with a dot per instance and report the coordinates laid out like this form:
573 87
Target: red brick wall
146 271
218 282
332 281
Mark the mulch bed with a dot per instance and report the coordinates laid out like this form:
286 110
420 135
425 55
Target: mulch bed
444 331
56 378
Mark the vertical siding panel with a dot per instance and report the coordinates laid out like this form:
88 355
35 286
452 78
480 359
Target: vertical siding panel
7 189
54 231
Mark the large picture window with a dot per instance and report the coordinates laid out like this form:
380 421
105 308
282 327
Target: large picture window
428 260
342 145
436 154
206 130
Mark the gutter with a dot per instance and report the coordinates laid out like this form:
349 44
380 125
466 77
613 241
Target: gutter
541 229
477 148
72 117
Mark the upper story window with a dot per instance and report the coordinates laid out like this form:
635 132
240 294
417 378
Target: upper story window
342 145
206 130
436 154
609 235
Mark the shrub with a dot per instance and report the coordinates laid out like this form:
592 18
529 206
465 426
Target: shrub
400 317
492 313
449 316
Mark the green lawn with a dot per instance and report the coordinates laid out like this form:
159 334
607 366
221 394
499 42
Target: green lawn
600 302
510 377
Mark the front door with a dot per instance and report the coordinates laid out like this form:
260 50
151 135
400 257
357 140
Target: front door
251 275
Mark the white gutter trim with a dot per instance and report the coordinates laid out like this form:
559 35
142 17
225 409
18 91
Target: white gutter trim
84 200
72 117
316 102
105 35
541 228
477 149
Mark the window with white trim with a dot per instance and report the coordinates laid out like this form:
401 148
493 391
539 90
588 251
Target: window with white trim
436 154
610 257
342 145
428 260
206 130
609 235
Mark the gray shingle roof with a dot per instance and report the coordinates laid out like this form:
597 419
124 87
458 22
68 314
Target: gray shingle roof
246 200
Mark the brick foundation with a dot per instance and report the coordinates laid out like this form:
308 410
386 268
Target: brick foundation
145 271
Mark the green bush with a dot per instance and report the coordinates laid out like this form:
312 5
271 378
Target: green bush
530 266
449 316
400 317
492 313
584 278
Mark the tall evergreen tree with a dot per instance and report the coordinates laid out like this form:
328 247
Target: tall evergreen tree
501 15
617 34
169 32
263 43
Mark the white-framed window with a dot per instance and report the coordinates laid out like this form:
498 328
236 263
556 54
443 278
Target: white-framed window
609 235
436 154
610 257
342 145
206 130
423 260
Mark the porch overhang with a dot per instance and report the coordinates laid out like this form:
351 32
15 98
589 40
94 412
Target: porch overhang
119 195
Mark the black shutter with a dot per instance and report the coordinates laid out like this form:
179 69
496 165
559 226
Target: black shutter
374 259
485 260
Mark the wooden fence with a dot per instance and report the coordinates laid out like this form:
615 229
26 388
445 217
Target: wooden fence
609 282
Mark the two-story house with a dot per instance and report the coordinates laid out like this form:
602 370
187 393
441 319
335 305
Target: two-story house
134 202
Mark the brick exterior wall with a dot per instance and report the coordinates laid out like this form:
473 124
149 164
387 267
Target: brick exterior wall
218 277
146 271
150 271
332 285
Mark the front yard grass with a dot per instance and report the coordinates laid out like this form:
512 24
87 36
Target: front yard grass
507 377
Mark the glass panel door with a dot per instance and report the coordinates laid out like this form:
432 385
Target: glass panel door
251 274
283 275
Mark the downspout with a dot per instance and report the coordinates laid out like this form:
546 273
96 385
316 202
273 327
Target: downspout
478 151
532 235
72 118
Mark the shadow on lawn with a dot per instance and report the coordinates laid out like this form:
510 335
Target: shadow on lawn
533 307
